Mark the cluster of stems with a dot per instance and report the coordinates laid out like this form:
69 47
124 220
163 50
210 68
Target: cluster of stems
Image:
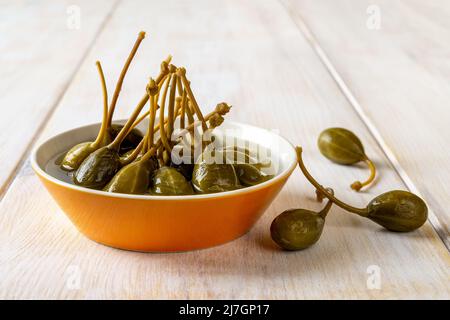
171 99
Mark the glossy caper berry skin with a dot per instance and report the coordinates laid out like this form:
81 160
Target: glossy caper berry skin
185 169
248 169
341 146
98 168
214 177
131 140
133 178
76 155
124 158
297 229
250 175
167 181
398 210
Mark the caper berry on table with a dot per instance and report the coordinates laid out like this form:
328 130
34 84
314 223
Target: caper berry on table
344 147
396 210
298 229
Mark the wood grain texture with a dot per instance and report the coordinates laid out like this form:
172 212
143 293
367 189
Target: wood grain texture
399 75
252 55
40 49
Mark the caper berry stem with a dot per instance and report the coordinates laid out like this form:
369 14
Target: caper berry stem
135 152
138 120
359 211
165 157
141 37
159 81
159 146
183 106
189 109
143 146
180 85
357 185
164 70
165 122
189 114
123 133
160 155
104 127
219 111
151 151
191 120
171 107
323 213
152 90
162 108
182 74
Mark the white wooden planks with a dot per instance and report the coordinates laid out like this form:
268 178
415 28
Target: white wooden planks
252 55
41 45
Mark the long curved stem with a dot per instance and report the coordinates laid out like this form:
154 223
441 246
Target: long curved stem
135 153
161 115
158 145
161 77
164 70
189 114
160 155
183 106
152 91
123 133
141 37
138 120
323 213
182 74
104 127
159 80
143 146
151 151
325 192
180 86
194 134
171 107
357 185
185 109
156 129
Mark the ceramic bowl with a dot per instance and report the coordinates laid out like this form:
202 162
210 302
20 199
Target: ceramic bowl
164 223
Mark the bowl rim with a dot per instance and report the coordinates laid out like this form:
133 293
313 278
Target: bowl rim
280 176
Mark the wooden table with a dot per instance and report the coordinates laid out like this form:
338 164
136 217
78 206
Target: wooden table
380 68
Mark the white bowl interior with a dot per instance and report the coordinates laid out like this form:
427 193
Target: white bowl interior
282 153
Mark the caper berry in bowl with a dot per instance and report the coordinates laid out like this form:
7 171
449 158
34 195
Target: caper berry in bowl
147 183
161 223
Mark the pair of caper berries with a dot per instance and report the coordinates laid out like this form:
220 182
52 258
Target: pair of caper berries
396 210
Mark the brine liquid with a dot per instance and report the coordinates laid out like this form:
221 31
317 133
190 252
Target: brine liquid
53 168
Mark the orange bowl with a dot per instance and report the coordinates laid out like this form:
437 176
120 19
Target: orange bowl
164 223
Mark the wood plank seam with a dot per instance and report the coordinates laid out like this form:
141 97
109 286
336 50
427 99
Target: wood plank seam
24 158
409 184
